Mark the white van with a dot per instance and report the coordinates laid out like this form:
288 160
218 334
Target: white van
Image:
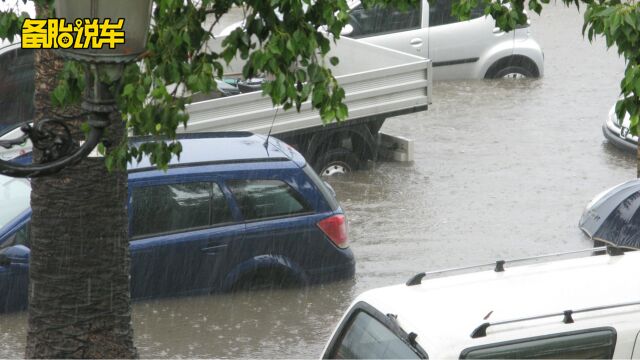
585 307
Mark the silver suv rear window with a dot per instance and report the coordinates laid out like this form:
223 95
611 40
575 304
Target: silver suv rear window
585 344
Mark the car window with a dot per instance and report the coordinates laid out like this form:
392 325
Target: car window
589 344
380 20
176 207
367 338
20 237
440 13
326 193
220 211
259 199
17 76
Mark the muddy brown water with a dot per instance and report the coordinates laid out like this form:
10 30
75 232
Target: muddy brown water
502 169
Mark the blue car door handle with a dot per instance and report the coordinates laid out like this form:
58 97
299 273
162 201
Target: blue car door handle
212 250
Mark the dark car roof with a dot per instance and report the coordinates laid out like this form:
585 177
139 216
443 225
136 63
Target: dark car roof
222 148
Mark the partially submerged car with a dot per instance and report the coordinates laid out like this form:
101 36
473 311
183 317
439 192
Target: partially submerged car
471 49
236 211
587 307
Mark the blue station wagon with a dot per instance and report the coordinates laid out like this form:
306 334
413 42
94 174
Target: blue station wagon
236 211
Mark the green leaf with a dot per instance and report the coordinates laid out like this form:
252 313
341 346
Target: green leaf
127 90
327 115
59 95
342 112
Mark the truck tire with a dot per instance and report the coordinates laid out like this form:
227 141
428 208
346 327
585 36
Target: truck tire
338 161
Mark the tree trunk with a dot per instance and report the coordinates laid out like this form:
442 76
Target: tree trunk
79 299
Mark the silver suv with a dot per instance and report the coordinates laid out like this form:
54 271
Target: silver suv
472 49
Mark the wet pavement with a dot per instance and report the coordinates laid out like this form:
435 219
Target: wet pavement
502 169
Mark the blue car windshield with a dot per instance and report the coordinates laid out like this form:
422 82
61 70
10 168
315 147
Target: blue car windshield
14 198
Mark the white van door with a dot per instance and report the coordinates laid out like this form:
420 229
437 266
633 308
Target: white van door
404 31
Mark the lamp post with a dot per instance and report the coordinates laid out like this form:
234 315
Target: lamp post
103 67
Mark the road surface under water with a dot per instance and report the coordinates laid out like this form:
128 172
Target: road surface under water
502 169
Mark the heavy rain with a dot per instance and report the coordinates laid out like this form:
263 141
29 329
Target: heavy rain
502 169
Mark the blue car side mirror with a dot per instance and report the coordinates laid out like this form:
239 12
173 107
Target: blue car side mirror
15 254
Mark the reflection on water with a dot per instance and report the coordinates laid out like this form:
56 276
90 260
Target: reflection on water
282 323
502 169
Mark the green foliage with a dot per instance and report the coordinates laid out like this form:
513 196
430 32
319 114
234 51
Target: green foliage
288 48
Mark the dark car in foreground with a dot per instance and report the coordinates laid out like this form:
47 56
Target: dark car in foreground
237 210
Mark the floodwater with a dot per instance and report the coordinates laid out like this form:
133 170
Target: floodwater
502 169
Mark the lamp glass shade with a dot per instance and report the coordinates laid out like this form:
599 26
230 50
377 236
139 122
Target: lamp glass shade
136 15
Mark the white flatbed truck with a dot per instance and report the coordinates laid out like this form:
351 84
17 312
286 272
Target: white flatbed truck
379 83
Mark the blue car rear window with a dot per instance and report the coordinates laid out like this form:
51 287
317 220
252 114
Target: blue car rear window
259 199
177 207
319 183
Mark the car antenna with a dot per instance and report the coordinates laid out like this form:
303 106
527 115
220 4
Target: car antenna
266 141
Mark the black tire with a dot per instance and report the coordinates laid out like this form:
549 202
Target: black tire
518 67
337 161
265 279
513 72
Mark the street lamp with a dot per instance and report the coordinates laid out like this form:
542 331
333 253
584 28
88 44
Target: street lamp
103 67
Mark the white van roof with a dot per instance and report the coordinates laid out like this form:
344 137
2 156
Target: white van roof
444 311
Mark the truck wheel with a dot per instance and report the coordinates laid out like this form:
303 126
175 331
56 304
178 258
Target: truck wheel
338 161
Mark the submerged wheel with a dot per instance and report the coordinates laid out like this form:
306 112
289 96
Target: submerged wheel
264 279
513 68
513 72
338 161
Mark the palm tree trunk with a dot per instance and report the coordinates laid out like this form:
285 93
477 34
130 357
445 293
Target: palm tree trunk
79 299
